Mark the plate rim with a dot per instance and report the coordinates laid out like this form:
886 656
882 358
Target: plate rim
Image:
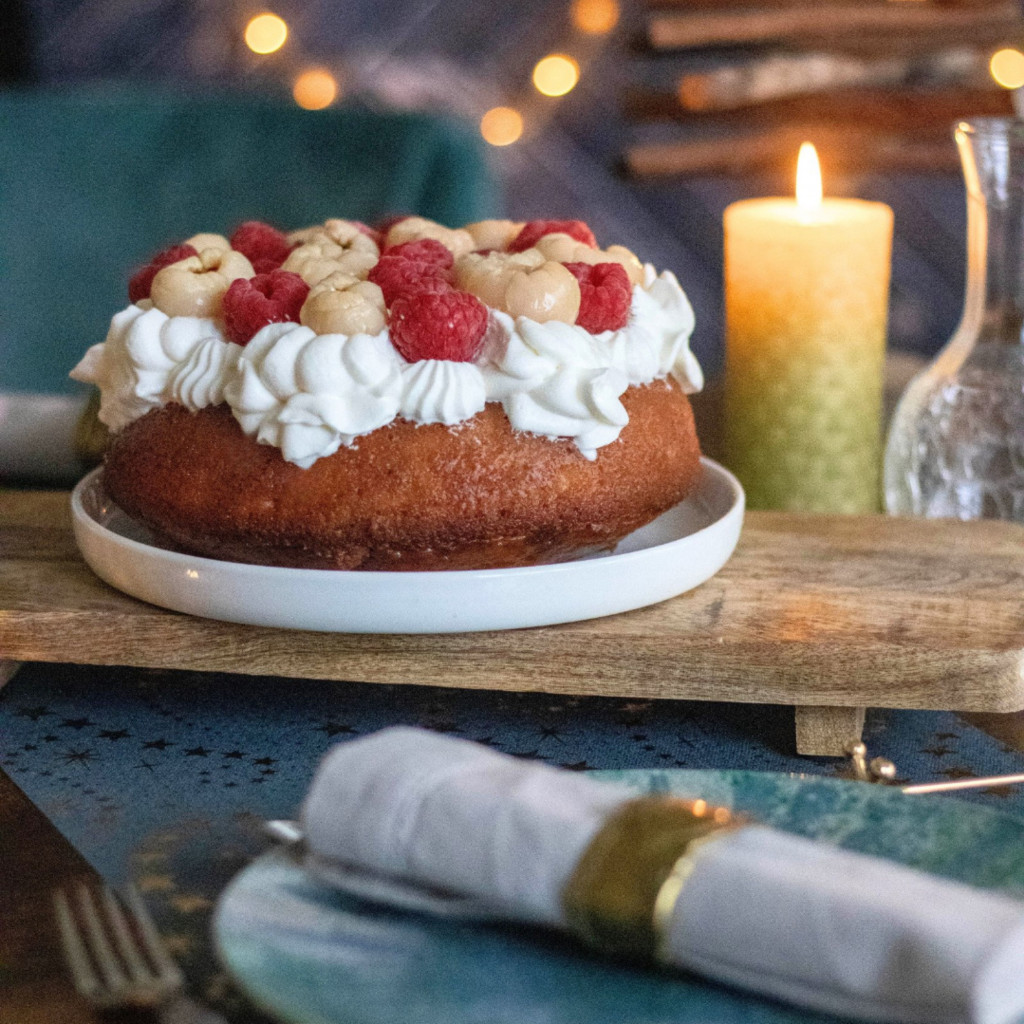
423 603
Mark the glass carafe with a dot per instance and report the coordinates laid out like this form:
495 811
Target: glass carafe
956 443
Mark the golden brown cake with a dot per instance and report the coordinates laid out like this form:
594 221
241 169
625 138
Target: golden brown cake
499 395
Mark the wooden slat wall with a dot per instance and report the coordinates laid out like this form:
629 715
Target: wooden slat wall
876 82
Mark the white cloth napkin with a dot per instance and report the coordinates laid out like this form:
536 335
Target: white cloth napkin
771 912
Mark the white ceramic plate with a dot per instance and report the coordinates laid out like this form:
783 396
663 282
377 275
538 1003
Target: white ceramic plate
675 553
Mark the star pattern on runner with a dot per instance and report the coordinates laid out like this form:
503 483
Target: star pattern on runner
76 723
336 729
82 757
114 734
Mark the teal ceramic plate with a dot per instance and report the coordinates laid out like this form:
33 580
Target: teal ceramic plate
308 954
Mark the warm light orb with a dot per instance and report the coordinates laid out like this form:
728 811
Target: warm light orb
1007 67
266 33
501 126
315 89
595 17
808 178
556 74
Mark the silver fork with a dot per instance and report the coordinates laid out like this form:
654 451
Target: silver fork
115 955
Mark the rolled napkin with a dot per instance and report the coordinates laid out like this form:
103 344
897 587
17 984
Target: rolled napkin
657 877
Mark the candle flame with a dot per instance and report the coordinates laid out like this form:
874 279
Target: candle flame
808 178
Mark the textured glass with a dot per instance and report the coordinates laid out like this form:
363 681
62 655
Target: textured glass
956 444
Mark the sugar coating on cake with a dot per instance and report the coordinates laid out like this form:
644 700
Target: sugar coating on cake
320 337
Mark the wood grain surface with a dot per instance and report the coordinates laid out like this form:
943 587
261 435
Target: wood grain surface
918 24
822 611
848 148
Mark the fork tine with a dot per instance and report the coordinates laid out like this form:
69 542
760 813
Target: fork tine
167 969
82 973
138 970
97 941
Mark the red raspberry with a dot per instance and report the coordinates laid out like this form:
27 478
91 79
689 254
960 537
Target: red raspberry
142 280
438 325
424 250
534 230
250 305
605 295
396 275
265 247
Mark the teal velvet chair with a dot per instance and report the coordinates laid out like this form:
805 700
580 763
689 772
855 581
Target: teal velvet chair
94 181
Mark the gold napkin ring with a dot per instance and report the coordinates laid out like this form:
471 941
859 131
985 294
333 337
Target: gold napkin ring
622 893
672 888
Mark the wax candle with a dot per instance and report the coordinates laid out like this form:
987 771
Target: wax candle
806 301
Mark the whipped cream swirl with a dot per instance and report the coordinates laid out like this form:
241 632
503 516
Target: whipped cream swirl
149 359
310 394
559 380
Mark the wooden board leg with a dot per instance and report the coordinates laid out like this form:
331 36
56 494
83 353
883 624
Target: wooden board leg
824 732
7 670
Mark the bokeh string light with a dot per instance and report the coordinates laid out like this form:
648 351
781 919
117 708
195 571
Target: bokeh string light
266 33
315 89
595 17
1007 67
501 126
554 76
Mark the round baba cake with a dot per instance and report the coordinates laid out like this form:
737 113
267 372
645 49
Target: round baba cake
410 397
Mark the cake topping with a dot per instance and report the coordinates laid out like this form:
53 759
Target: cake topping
423 250
494 234
547 292
143 349
563 248
264 246
373 234
208 240
487 275
447 325
348 234
195 286
321 256
534 230
412 229
199 379
308 394
249 305
342 304
605 295
342 339
142 279
424 264
442 391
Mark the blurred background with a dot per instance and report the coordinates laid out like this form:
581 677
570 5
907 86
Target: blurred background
128 124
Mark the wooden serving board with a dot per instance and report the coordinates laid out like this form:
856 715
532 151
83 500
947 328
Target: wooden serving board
828 614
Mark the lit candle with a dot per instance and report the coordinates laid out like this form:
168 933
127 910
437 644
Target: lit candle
806 300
